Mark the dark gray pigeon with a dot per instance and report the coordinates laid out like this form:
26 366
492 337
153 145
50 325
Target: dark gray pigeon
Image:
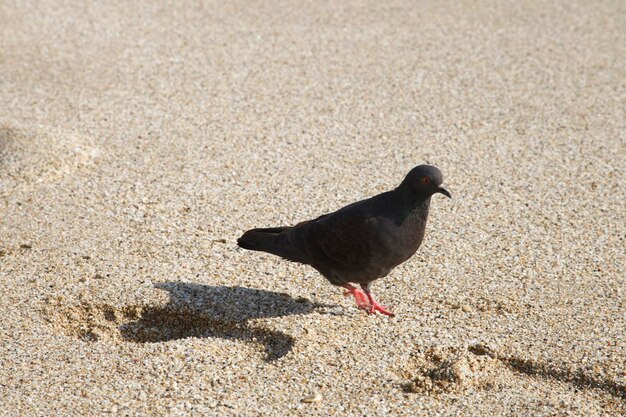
360 242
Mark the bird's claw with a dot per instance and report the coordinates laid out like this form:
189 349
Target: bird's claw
381 309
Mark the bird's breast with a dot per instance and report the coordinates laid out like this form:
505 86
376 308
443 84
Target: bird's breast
400 242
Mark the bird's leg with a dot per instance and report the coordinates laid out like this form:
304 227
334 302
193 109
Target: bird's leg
362 301
374 306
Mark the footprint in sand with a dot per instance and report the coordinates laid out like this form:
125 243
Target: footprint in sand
459 371
155 324
194 310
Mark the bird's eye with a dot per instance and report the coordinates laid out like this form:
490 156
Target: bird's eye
425 180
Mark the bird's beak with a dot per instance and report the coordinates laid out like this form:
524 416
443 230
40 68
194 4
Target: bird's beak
444 192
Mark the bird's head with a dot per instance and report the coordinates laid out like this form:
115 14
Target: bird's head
425 180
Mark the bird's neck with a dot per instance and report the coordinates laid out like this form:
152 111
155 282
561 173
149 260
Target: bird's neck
418 211
412 209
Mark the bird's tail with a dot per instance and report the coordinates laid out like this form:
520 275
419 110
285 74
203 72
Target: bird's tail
257 239
273 240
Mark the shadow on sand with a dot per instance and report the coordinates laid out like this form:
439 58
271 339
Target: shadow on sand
196 310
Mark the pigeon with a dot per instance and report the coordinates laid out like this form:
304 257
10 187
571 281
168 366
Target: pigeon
361 242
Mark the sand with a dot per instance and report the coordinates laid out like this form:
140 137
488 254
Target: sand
138 140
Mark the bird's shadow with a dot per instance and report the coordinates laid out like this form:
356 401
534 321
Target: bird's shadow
196 310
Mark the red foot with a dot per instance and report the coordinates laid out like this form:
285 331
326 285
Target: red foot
362 300
378 307
366 301
381 308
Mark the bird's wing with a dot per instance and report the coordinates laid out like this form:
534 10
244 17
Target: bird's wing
343 240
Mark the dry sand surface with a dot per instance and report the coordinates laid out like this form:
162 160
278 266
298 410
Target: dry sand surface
139 139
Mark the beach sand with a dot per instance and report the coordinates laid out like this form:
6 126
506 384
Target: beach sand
138 140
